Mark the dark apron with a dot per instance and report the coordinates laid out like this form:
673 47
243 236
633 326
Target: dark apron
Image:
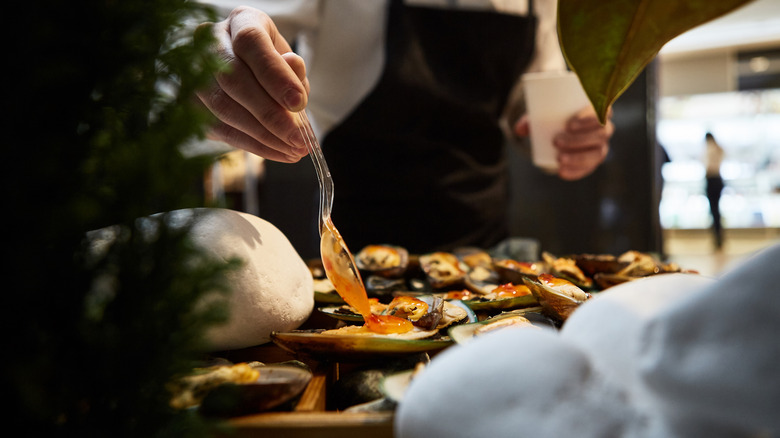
420 162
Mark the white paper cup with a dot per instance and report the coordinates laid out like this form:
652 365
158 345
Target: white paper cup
550 99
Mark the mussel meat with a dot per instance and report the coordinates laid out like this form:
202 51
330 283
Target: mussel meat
442 269
565 267
382 260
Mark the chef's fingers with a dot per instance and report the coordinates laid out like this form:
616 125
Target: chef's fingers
259 44
566 141
580 163
583 145
237 127
242 86
298 66
238 100
228 134
586 119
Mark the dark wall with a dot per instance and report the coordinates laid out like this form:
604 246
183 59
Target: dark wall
611 211
289 199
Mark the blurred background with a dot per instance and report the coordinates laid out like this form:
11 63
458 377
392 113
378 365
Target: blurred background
723 78
650 194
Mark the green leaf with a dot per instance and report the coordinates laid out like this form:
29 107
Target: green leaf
608 43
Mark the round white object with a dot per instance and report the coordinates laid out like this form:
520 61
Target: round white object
273 290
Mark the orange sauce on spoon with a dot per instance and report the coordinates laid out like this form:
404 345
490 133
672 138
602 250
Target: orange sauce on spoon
341 271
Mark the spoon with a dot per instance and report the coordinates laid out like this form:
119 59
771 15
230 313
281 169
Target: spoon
337 260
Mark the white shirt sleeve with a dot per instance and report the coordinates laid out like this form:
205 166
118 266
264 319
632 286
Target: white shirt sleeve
290 16
343 44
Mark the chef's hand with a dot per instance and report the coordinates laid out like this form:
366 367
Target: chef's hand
255 100
582 145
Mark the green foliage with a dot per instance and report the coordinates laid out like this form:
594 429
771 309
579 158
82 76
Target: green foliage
101 100
609 42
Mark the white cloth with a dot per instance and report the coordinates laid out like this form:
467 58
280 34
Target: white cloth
674 355
342 43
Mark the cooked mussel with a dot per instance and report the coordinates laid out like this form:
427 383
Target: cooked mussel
383 288
592 264
442 269
566 268
641 264
558 297
606 281
473 257
480 276
523 318
429 312
513 271
382 260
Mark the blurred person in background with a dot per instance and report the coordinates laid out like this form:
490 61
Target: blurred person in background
408 100
713 160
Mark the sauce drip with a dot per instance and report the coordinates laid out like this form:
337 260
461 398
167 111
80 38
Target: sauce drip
340 269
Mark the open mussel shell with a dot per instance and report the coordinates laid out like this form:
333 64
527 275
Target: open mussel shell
453 311
443 269
276 385
473 257
394 386
478 304
558 297
378 286
342 313
522 318
350 348
441 313
592 264
607 280
513 271
566 267
382 260
358 387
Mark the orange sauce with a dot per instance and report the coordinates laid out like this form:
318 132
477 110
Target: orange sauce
464 294
338 261
409 307
553 281
509 290
526 267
